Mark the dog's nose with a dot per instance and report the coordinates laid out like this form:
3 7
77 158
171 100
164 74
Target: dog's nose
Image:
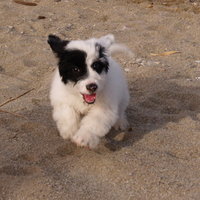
92 87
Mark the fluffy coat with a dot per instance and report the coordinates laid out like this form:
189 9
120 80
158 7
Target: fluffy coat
89 92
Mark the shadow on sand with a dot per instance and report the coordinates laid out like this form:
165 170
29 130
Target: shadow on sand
152 108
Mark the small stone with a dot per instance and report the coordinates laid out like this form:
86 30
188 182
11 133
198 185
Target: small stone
193 66
2 69
130 129
69 27
126 69
41 17
120 137
138 60
11 29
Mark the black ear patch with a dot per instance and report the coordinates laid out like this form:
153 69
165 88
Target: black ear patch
57 45
101 64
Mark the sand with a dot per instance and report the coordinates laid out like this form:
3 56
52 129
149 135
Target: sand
158 159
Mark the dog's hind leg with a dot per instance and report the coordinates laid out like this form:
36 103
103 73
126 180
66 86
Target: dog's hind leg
122 123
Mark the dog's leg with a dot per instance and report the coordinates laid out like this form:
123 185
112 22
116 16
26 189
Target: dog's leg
122 123
93 126
67 120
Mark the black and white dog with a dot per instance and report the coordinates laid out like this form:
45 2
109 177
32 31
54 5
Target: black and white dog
89 93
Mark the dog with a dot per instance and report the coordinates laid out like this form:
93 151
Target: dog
89 93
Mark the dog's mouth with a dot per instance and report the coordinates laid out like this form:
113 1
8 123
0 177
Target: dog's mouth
89 98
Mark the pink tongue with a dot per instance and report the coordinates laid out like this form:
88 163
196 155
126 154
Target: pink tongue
89 98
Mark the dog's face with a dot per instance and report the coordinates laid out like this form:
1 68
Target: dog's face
83 63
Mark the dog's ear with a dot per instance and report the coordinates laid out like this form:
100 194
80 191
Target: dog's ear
111 47
57 45
106 41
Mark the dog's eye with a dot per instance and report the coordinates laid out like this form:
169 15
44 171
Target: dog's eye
96 65
76 69
99 66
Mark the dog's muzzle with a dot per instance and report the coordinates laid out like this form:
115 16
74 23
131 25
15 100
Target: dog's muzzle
89 98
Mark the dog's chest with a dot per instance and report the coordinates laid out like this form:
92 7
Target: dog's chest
81 107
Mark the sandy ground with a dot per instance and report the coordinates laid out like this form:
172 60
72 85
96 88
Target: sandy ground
158 159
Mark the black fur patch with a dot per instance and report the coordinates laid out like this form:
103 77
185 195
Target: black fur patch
101 64
57 45
72 63
102 51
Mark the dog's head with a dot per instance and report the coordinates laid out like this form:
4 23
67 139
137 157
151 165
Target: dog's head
83 63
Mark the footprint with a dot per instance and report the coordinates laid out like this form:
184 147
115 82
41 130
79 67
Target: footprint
65 150
170 110
183 101
169 102
18 170
29 157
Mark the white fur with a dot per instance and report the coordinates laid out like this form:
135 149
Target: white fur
83 123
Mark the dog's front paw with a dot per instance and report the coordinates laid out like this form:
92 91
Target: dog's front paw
85 140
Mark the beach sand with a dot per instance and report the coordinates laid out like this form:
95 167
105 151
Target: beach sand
159 158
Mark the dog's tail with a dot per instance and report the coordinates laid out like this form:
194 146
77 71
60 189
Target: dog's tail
108 41
120 48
